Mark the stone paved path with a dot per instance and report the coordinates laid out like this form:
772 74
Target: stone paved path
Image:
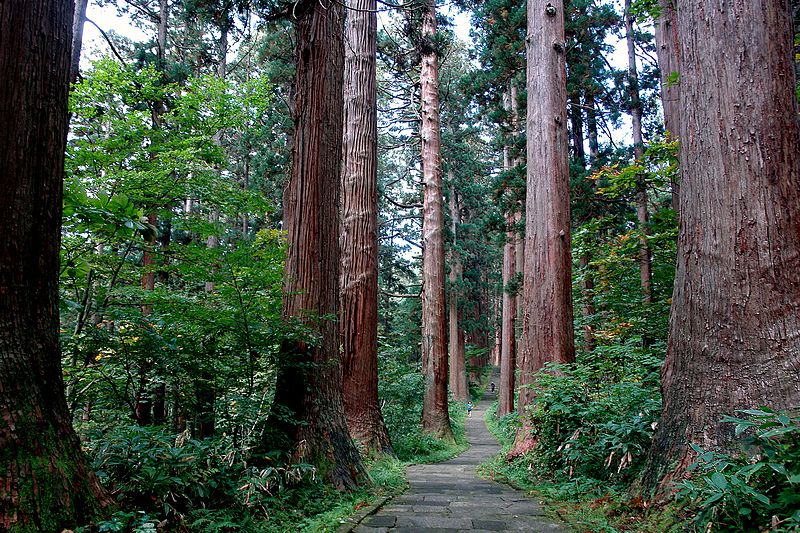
450 497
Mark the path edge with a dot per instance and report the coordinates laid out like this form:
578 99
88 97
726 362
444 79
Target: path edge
354 520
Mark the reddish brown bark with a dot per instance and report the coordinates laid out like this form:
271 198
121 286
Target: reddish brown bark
458 363
547 286
309 381
435 414
359 231
508 354
47 485
734 340
508 341
519 245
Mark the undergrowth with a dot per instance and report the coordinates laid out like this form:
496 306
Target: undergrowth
167 483
755 489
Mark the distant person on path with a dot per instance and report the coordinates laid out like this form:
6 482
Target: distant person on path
491 386
469 408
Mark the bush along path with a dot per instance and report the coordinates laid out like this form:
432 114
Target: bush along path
450 497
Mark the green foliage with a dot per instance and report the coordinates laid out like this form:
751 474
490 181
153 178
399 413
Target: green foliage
400 391
658 169
756 489
588 426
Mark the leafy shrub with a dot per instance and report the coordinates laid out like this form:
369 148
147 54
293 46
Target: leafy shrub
400 390
151 470
589 427
757 489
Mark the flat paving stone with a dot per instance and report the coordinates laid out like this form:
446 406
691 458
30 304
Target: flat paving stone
449 497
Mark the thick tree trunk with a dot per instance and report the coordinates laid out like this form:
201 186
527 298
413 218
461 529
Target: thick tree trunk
734 340
642 215
359 232
458 362
668 53
309 382
47 485
547 287
435 415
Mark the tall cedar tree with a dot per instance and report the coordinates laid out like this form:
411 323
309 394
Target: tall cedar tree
307 415
734 340
668 53
359 240
435 414
47 485
458 363
547 285
508 343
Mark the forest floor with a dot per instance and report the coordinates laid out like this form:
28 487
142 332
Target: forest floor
449 497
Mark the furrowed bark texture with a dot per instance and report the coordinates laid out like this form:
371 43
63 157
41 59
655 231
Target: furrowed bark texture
547 286
309 382
435 415
734 339
47 485
359 238
458 362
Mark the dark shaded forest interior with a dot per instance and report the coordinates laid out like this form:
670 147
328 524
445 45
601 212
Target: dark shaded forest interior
259 257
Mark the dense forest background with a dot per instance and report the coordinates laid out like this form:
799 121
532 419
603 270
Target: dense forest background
202 333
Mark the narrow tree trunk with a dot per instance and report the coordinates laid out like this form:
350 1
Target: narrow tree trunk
576 127
496 318
587 309
547 287
78 19
668 53
163 18
458 363
307 415
435 415
734 340
508 341
519 234
645 261
591 126
143 405
359 232
47 485
508 355
205 386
